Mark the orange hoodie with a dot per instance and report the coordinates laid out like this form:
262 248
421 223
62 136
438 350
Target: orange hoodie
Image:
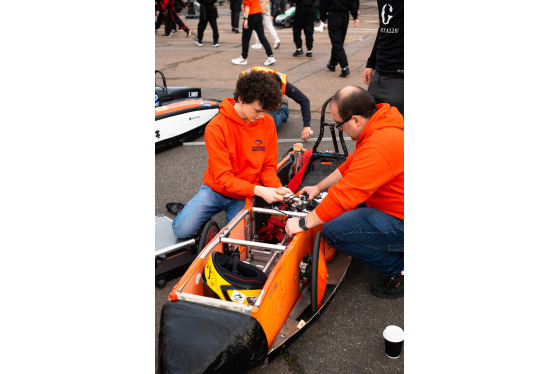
374 173
254 6
240 154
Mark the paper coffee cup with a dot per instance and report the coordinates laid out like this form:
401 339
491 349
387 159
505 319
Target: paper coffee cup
394 338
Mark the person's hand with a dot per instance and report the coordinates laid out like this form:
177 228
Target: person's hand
246 24
284 191
269 194
306 133
292 226
356 22
312 191
368 73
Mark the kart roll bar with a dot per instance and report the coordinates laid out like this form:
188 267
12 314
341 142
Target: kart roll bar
332 126
163 79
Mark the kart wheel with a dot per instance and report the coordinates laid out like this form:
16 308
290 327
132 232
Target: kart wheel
210 230
315 271
160 282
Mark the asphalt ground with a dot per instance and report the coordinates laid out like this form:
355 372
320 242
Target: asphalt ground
347 338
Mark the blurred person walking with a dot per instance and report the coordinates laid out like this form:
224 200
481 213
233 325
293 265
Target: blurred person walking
252 20
335 14
235 7
304 19
208 14
172 18
267 22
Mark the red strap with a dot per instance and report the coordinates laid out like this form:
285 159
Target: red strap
273 229
296 180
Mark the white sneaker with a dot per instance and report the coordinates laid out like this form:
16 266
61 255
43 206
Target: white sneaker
269 61
321 27
257 45
240 61
276 43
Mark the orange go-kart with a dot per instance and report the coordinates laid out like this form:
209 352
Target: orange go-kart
252 289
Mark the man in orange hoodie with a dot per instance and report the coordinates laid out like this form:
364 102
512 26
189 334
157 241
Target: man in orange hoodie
363 213
242 155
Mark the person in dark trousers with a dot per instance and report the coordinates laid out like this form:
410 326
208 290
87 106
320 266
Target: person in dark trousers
235 7
172 18
279 7
160 9
208 14
304 19
252 20
335 14
384 73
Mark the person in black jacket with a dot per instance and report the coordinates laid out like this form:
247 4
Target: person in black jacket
208 13
384 73
335 14
304 19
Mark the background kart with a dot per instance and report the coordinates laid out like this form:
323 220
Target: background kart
182 114
285 19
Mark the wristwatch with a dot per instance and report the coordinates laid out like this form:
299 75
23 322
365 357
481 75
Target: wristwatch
302 224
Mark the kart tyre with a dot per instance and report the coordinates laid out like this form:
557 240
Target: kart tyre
315 271
160 282
210 230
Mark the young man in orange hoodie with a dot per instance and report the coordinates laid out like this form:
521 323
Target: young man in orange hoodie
242 155
363 212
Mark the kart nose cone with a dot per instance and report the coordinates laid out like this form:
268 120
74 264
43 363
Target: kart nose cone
196 338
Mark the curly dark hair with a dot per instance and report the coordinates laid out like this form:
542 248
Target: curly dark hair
354 100
261 86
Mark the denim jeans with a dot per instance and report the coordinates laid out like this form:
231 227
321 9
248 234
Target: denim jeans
371 236
280 116
203 206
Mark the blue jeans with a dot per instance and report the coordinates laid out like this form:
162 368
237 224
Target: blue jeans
203 206
371 236
280 116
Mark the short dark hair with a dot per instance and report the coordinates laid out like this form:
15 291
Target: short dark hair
261 86
354 102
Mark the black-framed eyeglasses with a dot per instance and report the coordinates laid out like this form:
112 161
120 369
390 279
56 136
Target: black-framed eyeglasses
339 124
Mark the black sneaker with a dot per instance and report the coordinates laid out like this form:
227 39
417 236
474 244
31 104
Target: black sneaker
331 67
344 72
309 54
174 208
391 288
235 30
298 52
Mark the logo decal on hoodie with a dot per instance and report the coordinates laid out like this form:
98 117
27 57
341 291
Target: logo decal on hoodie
257 146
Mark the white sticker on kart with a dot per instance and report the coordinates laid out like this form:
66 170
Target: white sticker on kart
238 297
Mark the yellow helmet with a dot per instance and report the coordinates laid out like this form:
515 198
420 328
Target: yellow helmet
233 280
